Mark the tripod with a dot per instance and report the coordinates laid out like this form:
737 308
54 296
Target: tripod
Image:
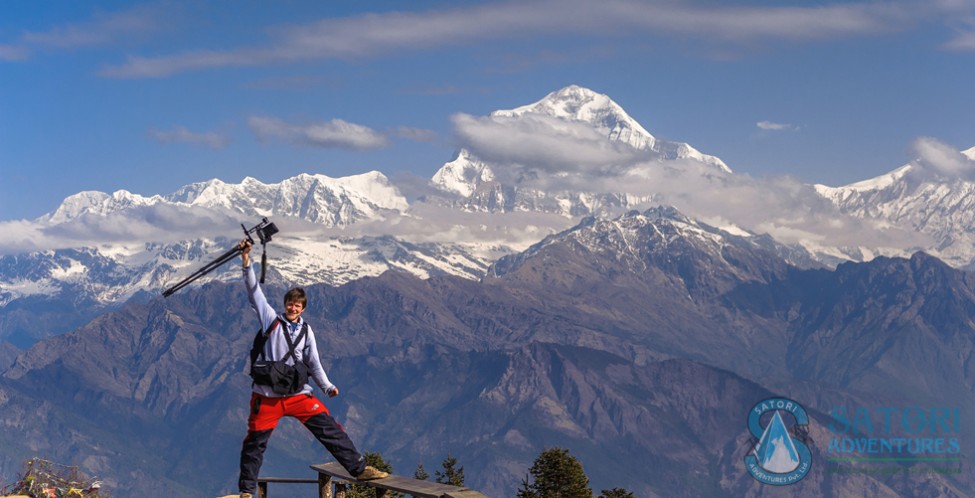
264 230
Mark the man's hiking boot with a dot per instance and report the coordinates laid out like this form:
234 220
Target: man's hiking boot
369 473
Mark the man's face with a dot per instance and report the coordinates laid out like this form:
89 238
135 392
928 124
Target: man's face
292 310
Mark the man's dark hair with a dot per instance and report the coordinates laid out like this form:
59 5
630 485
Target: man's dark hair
296 294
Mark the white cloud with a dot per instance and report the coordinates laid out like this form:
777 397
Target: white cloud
159 223
328 134
14 52
150 67
164 224
783 207
536 143
394 32
22 236
939 160
429 222
181 134
962 41
102 29
416 134
773 126
962 25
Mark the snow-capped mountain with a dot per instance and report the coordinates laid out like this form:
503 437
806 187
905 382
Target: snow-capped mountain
67 287
316 198
574 103
336 230
940 206
305 254
659 237
475 180
150 249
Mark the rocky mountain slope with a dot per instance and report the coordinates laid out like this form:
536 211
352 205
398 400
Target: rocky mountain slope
640 343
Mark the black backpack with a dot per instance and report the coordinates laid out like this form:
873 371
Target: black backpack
281 377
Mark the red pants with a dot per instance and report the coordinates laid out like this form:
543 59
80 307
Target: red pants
265 412
264 416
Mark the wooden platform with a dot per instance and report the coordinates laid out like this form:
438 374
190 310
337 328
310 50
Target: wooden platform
406 485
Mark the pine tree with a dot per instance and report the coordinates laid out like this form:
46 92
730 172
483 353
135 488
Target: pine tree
616 493
556 474
421 473
451 474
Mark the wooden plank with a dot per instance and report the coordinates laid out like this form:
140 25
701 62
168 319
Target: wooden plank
401 484
293 480
463 493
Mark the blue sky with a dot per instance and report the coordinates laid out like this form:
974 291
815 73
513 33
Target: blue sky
151 96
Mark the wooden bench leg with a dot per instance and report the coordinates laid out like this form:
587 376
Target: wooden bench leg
324 486
261 489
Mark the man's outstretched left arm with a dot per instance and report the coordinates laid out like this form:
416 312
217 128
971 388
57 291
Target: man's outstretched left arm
315 369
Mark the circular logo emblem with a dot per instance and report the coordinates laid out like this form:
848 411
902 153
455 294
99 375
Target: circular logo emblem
777 458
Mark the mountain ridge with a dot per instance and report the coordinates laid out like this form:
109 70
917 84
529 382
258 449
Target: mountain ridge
651 370
350 199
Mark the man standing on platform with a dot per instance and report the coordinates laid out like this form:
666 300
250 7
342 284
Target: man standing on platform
289 339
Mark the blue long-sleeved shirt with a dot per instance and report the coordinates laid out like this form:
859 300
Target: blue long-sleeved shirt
276 347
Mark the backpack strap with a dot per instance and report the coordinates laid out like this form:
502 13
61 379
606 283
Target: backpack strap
291 345
257 349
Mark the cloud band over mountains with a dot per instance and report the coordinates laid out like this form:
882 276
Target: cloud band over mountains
397 32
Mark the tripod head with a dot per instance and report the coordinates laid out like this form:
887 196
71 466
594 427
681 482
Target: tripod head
264 231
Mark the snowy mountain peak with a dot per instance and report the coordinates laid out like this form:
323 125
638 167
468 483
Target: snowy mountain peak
98 203
663 223
313 197
487 186
575 103
581 104
658 239
463 174
933 196
371 185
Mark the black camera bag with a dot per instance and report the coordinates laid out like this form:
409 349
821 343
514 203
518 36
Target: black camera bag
281 377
